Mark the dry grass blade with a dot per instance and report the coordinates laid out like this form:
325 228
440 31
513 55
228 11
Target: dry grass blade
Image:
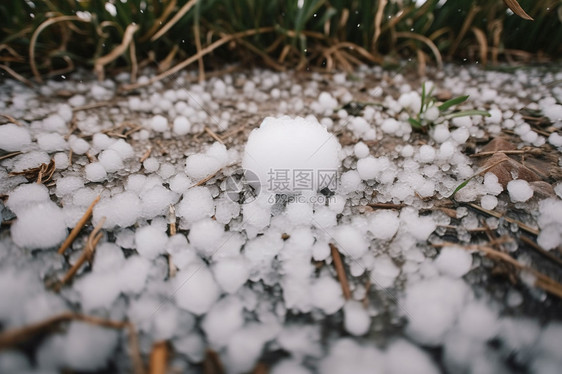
116 52
74 233
465 26
35 35
159 358
8 155
516 8
17 76
172 219
11 119
167 11
213 135
197 37
340 271
87 253
427 41
483 44
146 155
378 20
212 363
41 174
184 9
92 106
541 250
225 39
522 226
542 281
14 337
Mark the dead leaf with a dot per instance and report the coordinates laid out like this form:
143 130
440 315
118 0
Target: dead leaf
41 174
516 8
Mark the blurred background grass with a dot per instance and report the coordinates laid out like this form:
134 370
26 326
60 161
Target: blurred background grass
43 38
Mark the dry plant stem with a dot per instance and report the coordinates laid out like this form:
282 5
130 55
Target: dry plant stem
340 271
541 250
87 253
17 76
467 22
509 152
225 39
516 8
159 358
522 226
116 52
542 281
483 43
10 338
8 155
184 9
146 155
378 21
427 41
35 35
169 8
11 119
260 368
172 220
74 233
196 35
213 135
91 106
212 363
386 205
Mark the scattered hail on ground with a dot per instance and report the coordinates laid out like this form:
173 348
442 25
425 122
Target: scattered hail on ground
349 244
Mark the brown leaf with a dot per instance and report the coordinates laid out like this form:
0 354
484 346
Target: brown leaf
40 174
509 169
516 8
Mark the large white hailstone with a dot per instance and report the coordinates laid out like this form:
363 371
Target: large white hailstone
13 137
290 155
195 289
39 226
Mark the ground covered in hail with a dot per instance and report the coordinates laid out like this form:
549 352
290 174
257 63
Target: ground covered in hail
435 249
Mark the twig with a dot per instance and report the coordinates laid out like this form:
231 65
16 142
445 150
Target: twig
522 226
11 119
212 363
260 368
87 253
542 281
74 233
16 75
213 135
146 155
91 106
159 358
340 271
184 9
116 52
510 152
541 250
172 219
386 205
10 338
8 155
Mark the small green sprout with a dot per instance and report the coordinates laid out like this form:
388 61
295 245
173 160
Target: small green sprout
445 111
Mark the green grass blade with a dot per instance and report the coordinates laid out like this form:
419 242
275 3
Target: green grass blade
466 113
415 123
449 103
